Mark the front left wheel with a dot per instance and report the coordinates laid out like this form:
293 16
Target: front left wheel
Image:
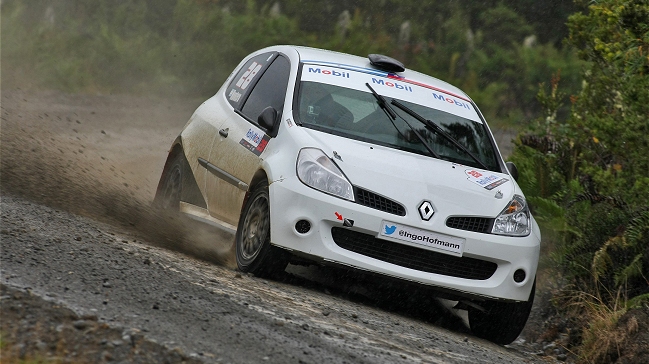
254 252
501 322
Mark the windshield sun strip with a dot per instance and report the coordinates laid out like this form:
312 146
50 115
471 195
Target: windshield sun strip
388 75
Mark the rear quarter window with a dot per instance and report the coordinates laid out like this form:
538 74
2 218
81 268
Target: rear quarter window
270 90
246 78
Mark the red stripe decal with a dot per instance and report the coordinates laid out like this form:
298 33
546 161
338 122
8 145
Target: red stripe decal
396 77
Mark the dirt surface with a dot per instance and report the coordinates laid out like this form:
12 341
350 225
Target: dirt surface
90 273
48 331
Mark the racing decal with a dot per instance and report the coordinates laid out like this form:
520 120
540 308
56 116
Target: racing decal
349 67
234 95
248 76
440 242
332 72
451 101
392 84
489 181
346 222
255 141
403 79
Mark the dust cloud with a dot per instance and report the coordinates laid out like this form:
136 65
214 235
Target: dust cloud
101 156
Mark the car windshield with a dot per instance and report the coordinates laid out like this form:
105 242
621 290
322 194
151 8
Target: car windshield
350 110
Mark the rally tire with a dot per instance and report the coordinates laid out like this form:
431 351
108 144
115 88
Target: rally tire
501 322
254 253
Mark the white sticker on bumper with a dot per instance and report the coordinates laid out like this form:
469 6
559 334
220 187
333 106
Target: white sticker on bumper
439 242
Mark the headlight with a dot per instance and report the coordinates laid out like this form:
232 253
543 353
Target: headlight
514 220
316 170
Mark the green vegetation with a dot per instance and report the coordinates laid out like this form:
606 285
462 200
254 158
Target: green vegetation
586 173
179 47
497 51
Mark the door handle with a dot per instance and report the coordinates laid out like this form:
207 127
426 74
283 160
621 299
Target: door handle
224 132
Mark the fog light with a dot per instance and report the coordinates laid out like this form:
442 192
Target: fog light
302 226
519 275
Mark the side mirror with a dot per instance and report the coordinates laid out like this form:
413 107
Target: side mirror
511 167
268 120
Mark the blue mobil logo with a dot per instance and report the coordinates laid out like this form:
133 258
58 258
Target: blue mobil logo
395 85
323 71
451 101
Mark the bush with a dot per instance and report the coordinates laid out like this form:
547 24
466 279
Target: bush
594 163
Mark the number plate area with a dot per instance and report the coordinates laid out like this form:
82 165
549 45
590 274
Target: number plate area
434 241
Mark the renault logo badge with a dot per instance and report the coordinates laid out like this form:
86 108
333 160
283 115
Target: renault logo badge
426 210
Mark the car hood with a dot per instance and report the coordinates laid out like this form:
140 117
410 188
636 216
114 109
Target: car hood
410 178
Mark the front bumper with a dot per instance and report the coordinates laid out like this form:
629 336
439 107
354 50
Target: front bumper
292 201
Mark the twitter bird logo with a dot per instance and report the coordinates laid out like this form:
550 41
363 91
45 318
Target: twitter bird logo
389 230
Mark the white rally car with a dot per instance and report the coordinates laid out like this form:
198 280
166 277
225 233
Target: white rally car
358 162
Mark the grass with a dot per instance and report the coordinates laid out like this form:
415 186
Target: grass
603 337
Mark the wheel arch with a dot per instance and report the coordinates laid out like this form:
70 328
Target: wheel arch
259 176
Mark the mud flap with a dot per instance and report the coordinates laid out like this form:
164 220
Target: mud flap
190 192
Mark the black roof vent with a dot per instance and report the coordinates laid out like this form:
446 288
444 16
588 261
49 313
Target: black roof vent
386 63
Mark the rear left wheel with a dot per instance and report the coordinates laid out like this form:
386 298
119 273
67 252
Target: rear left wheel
254 252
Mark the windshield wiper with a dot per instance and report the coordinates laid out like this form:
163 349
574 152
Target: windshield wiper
384 105
439 131
393 116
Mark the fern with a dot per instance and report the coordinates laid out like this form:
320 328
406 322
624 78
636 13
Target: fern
550 215
633 270
637 227
596 198
602 259
631 242
637 301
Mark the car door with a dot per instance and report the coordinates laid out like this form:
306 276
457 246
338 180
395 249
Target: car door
237 149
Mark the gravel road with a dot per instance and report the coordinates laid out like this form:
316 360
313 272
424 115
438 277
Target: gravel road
89 273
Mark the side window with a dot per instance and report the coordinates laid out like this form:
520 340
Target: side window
270 90
245 79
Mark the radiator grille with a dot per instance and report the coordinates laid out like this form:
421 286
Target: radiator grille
375 201
477 224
